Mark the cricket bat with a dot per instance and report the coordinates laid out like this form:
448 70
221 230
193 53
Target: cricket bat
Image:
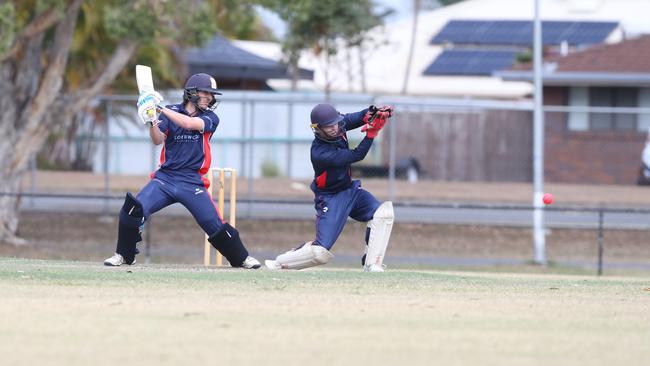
144 79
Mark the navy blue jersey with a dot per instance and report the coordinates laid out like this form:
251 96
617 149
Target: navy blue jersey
332 160
186 153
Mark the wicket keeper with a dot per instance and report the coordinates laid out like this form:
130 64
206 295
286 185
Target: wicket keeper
337 196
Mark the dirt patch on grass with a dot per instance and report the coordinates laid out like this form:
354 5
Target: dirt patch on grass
423 191
178 239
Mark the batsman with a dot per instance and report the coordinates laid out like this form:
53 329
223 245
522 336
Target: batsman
337 196
185 130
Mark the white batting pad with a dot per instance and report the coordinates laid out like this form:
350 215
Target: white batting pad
304 257
380 227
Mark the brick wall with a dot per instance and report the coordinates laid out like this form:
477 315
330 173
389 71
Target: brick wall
497 146
587 157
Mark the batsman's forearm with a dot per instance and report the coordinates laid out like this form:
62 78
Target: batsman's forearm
157 137
342 157
362 149
183 121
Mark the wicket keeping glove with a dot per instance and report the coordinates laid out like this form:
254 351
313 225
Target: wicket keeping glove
372 129
375 120
374 112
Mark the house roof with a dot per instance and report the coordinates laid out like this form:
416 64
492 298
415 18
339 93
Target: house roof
627 56
219 57
482 42
471 62
619 64
381 67
520 32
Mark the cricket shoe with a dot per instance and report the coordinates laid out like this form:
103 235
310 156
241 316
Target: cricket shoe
272 265
374 268
116 260
251 263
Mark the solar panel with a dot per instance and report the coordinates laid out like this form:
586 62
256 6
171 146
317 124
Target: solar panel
520 32
471 62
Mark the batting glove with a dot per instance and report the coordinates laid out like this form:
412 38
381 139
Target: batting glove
148 107
154 96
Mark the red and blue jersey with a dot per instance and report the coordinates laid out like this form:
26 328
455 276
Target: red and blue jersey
332 160
186 153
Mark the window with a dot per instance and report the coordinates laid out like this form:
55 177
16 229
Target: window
613 97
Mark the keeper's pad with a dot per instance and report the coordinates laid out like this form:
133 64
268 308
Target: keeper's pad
380 227
306 256
130 228
228 243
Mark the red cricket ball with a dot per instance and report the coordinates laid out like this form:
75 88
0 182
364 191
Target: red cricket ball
547 198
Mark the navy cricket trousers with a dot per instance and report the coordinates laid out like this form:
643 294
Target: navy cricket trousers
333 210
164 189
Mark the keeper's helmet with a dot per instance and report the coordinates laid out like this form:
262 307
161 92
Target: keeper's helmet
201 82
327 123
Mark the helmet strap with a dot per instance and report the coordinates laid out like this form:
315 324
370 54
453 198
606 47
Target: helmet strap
192 95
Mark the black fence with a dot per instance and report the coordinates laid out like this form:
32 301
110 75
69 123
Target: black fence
406 212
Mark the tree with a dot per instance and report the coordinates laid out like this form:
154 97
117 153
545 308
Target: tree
357 35
324 26
39 92
234 18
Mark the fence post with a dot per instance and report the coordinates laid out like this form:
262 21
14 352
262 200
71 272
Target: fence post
243 141
107 138
290 139
392 141
147 244
251 158
32 176
601 215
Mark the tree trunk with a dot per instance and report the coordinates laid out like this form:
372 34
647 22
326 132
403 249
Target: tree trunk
26 94
34 105
327 73
9 203
68 110
33 134
348 59
294 71
362 68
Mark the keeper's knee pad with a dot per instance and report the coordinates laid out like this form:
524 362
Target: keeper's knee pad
378 235
228 243
307 255
129 229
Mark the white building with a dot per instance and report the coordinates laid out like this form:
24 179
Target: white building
386 63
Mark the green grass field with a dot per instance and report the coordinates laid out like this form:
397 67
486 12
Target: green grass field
78 313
